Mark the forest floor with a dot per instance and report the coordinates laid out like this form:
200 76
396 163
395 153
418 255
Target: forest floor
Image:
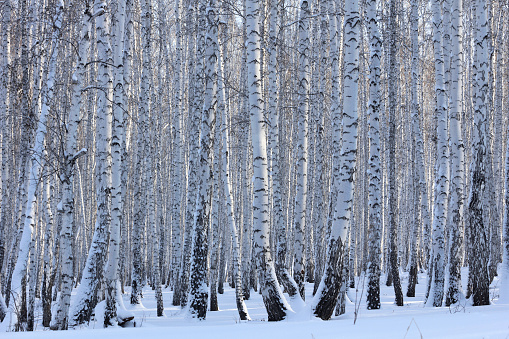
413 320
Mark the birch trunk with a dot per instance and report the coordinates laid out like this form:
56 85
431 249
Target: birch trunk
275 303
71 155
327 294
302 149
375 221
198 293
195 115
441 187
455 215
112 268
227 187
34 176
478 230
5 61
319 209
46 281
85 301
392 231
504 276
417 170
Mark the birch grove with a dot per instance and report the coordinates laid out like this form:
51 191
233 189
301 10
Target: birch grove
308 151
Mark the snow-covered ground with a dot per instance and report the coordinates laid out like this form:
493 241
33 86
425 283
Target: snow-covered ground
409 321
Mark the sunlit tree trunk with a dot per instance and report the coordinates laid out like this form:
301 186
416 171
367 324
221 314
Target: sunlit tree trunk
272 295
441 187
34 176
327 294
198 294
196 95
227 187
68 213
82 306
301 191
455 215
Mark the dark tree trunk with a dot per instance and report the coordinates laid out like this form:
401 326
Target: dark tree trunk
331 281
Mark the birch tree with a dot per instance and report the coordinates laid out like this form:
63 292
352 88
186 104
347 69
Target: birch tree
36 164
72 154
504 286
198 293
227 187
275 303
302 148
375 227
478 232
5 61
437 268
85 301
393 252
455 213
420 205
328 292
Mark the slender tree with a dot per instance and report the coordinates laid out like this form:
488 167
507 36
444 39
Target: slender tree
375 222
36 164
301 191
82 306
72 154
478 230
416 169
437 270
275 303
327 295
455 214
393 252
198 293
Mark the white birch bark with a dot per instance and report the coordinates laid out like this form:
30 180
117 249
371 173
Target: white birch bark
419 186
375 185
126 141
504 271
455 212
26 133
142 157
198 293
302 149
67 177
327 294
319 209
196 89
275 303
153 225
35 174
335 109
5 62
112 265
277 208
391 170
46 288
178 168
84 303
215 234
227 187
31 279
478 230
441 187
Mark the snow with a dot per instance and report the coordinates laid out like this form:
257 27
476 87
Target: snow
413 320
